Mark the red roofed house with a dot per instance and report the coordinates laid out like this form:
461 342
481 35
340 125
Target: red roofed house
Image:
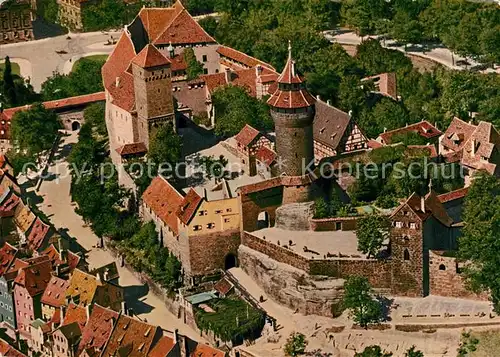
7 312
385 84
423 128
248 142
53 297
29 286
476 147
203 233
96 333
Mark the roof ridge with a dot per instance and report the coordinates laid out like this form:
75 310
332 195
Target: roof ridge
167 26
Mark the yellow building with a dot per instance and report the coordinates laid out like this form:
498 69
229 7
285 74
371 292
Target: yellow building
70 13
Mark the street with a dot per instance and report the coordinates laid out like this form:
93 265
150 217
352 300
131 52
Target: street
39 59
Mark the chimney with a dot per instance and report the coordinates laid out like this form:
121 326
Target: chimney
385 129
329 102
422 204
258 70
58 270
473 151
62 313
124 308
205 194
171 50
318 97
117 81
88 311
228 75
106 275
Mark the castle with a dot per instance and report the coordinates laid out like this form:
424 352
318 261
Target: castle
265 209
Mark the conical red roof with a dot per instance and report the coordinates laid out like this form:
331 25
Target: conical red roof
150 57
290 92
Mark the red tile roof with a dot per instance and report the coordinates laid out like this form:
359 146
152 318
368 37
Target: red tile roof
457 134
374 144
131 338
289 75
132 149
386 84
164 200
203 350
55 292
188 206
118 61
423 128
223 286
73 260
75 313
35 278
247 135
7 257
155 19
9 351
241 57
482 150
38 232
123 95
266 155
150 57
178 63
8 205
98 329
162 347
183 29
453 195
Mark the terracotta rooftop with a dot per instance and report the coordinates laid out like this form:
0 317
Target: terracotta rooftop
240 57
178 63
266 155
83 286
75 313
386 84
98 329
457 134
453 195
482 150
164 200
9 203
23 217
203 350
330 124
132 149
37 234
432 206
188 206
54 294
150 57
423 128
131 338
7 257
35 278
162 347
155 19
246 135
9 351
223 286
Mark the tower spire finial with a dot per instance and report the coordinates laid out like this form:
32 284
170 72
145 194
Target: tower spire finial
289 49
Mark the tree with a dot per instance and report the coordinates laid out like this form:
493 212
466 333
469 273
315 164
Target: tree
362 15
165 146
373 351
295 344
34 130
194 67
376 59
9 89
209 24
412 352
479 243
385 115
94 115
406 29
409 138
215 168
359 299
371 232
234 108
321 208
490 43
468 344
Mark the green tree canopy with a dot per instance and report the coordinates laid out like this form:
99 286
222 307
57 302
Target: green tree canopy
165 146
479 243
359 300
373 351
34 130
371 232
234 108
295 344
194 67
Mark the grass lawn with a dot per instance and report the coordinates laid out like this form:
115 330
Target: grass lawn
489 342
96 58
15 69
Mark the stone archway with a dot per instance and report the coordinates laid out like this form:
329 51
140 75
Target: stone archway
75 125
263 220
230 261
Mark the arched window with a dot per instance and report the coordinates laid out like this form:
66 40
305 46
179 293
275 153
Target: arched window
442 267
406 255
406 240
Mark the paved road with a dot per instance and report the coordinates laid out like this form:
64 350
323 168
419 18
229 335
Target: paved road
38 59
57 206
441 54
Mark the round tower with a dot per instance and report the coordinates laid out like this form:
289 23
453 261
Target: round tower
292 109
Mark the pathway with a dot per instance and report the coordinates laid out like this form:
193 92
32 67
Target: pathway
39 59
58 207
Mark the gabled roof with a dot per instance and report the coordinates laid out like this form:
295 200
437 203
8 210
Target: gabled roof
162 347
386 84
71 331
155 19
150 57
18 264
118 61
9 203
35 278
423 128
7 257
55 292
457 134
132 149
75 314
247 135
453 195
183 29
23 217
38 233
330 124
241 57
431 207
83 286
188 206
266 155
481 150
203 350
164 200
9 351
98 329
132 336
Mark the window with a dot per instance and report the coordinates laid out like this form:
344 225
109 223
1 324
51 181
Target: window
399 224
406 255
211 225
205 71
197 228
204 58
219 211
226 220
229 210
413 225
202 213
442 267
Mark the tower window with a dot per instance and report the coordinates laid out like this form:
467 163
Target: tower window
442 267
406 255
204 58
205 71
